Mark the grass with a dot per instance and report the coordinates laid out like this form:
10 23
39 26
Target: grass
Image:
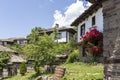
74 71
27 76
82 71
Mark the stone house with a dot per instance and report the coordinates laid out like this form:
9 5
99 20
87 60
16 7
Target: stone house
111 40
90 18
13 66
16 58
65 34
93 16
11 41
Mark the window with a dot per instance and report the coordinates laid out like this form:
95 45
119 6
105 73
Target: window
21 42
82 30
70 36
59 35
63 35
93 20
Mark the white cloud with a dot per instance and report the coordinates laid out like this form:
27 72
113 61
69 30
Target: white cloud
70 14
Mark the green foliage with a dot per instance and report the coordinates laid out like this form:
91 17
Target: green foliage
17 47
56 35
34 35
47 47
69 46
4 59
73 57
75 71
43 49
30 51
83 71
37 68
66 47
23 69
61 48
42 52
72 43
27 76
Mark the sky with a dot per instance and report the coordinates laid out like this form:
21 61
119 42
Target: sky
18 17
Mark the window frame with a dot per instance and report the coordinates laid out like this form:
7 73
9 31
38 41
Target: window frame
93 20
82 30
60 35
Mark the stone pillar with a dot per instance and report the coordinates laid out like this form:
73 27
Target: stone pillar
111 13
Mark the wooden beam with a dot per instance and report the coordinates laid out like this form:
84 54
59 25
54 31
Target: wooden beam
92 1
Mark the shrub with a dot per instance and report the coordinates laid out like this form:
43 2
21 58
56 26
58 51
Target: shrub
23 69
36 68
73 57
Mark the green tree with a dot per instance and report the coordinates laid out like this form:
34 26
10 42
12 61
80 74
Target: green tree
23 69
73 43
73 57
36 67
17 47
42 52
4 59
56 35
34 35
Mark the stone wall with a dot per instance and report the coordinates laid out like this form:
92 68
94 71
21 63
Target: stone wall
111 13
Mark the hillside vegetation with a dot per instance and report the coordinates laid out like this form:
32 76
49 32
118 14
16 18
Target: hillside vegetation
74 71
83 71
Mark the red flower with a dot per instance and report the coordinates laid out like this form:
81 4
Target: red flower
100 50
94 37
95 49
93 34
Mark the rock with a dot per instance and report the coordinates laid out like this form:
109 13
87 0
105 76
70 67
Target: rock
39 78
45 78
50 78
